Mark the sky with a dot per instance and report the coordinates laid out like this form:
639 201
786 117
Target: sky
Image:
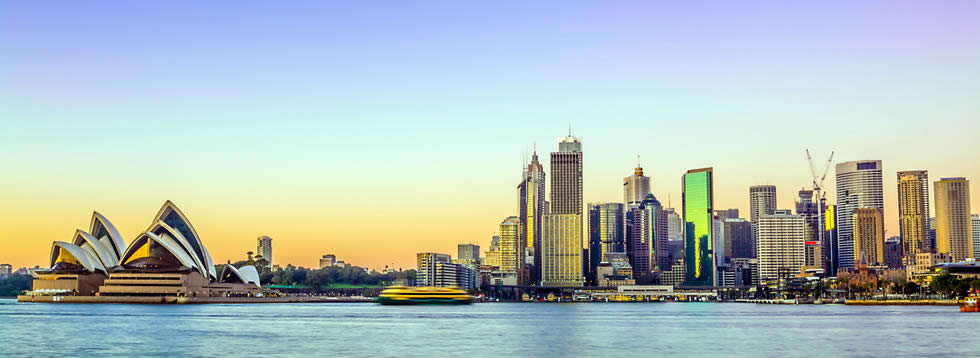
377 130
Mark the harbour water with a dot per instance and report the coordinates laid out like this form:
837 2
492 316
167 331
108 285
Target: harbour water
487 329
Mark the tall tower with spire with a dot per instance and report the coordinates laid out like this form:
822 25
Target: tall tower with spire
531 193
636 186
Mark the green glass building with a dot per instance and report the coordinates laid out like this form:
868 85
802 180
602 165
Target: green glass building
698 196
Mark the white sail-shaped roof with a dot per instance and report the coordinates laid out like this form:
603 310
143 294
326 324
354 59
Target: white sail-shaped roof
161 228
105 254
245 274
172 216
90 263
101 227
167 242
230 274
249 274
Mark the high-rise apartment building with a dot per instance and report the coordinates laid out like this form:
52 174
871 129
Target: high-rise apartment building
762 201
954 234
698 199
531 201
869 236
858 186
635 187
264 249
561 251
781 239
511 250
913 212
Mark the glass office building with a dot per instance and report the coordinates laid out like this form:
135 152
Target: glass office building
698 192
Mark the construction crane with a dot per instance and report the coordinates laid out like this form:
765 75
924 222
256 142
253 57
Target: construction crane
817 188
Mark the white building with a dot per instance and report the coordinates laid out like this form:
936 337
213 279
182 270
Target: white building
858 186
780 241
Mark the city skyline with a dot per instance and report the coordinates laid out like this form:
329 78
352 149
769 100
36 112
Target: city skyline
311 140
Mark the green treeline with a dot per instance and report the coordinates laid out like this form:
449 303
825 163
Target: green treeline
14 285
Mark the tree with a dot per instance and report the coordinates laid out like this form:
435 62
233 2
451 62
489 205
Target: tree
15 284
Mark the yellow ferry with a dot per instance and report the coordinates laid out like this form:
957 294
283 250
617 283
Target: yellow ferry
401 295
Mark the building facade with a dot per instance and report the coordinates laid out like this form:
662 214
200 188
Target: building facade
492 256
913 211
698 200
869 236
635 187
511 250
738 239
781 238
975 224
468 252
264 249
561 251
762 201
327 260
531 206
607 224
858 186
954 234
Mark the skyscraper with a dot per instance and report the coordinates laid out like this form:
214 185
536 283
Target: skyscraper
811 212
858 186
954 234
510 245
738 239
566 177
869 237
531 208
830 239
606 233
762 201
636 186
562 227
660 254
698 199
646 235
561 258
264 249
781 239
913 212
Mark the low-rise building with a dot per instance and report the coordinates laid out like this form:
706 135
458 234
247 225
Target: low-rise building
921 271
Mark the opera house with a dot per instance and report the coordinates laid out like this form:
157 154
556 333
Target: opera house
166 263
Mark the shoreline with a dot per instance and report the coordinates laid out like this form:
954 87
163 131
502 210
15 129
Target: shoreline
185 300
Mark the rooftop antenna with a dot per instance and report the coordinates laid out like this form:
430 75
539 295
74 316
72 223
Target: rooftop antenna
638 161
569 129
